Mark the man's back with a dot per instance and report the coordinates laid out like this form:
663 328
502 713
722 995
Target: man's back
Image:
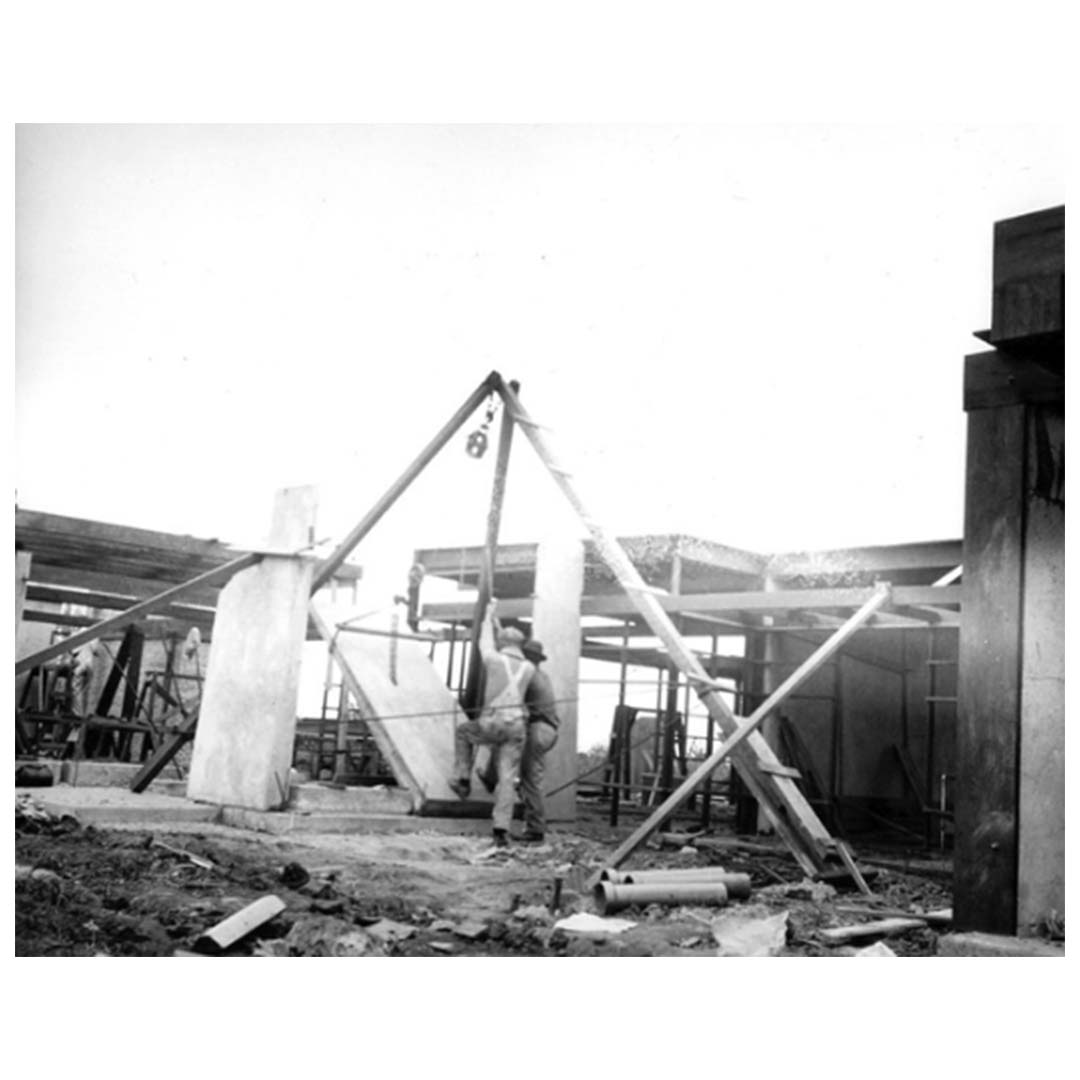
540 698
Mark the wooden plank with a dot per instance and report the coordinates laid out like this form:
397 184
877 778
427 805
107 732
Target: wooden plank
996 379
463 563
411 719
689 603
46 575
782 770
154 626
883 559
841 935
22 576
132 614
31 523
988 714
62 594
1029 275
940 919
169 748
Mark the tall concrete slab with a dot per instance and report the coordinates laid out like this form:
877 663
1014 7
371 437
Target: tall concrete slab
409 710
247 722
560 576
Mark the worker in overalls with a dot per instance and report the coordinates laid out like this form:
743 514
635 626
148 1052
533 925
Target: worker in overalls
542 734
501 723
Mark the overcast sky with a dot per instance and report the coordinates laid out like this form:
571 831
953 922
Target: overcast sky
751 334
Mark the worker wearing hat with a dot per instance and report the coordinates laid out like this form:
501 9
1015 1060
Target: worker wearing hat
541 736
543 732
501 723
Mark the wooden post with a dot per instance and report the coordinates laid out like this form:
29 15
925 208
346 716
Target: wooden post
22 576
1009 853
560 577
473 695
247 721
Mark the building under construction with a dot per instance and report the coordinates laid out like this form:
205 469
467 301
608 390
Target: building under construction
905 698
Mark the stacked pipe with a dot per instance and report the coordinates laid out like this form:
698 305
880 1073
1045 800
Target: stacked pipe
711 885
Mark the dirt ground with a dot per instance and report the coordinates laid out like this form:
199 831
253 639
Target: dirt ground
86 891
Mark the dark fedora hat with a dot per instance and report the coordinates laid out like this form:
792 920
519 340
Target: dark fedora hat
533 650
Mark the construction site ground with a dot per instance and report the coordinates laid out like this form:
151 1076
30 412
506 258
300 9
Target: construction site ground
155 888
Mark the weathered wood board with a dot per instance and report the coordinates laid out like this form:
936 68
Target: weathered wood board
409 710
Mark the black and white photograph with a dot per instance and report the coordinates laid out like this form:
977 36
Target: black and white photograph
448 538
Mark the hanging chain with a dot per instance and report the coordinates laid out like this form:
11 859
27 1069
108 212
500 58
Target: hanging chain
477 443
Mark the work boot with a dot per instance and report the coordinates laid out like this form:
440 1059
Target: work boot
460 788
533 837
500 838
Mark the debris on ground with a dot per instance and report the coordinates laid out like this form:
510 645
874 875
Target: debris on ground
750 932
584 923
153 891
879 948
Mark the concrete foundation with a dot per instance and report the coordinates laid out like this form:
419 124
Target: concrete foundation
976 944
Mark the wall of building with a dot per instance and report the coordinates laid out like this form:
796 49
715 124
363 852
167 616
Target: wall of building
854 711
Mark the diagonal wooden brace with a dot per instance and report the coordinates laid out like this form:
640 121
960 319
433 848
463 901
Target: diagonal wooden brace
783 803
747 727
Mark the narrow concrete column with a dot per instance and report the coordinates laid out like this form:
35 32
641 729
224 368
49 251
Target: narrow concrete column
560 577
247 722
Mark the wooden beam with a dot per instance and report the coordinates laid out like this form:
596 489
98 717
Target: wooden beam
22 576
745 729
326 570
692 603
884 559
65 594
132 614
996 379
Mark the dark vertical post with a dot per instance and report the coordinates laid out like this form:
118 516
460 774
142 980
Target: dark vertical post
450 657
988 727
473 694
836 779
671 719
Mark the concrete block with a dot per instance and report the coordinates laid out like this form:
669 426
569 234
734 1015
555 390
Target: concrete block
99 773
318 798
280 822
977 944
116 806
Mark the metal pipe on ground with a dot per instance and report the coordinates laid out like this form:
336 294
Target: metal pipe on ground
610 897
737 885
